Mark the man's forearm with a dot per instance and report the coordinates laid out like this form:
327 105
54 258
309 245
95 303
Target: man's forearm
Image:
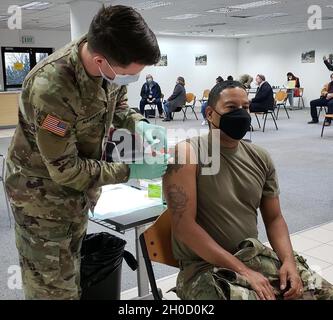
200 242
278 235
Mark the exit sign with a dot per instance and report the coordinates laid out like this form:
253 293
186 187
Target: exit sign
27 39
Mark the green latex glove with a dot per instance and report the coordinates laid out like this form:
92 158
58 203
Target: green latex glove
151 168
155 136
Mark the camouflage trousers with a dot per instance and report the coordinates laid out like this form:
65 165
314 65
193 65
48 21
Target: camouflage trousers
49 254
202 281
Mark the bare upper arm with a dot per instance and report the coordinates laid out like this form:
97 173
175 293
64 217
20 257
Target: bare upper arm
179 187
270 209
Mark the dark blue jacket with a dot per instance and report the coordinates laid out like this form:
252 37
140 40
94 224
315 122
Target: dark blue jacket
155 91
264 95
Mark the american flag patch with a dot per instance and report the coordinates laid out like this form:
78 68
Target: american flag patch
55 125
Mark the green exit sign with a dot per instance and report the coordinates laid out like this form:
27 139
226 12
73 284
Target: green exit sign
27 39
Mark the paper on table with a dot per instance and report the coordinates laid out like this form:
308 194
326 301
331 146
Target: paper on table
117 200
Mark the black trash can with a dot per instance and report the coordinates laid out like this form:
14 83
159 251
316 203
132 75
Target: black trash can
101 261
150 113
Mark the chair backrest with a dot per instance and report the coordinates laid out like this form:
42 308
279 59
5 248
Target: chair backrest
205 94
190 97
281 96
158 240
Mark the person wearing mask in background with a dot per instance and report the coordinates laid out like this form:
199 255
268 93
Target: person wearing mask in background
295 91
176 100
70 102
246 81
326 99
214 217
329 62
264 99
151 94
205 103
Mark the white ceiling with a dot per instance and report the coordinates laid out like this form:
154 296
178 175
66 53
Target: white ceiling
207 23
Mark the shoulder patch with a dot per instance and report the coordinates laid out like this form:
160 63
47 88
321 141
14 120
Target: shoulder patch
55 125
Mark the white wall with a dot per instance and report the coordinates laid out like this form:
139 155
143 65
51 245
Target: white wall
181 51
276 55
48 39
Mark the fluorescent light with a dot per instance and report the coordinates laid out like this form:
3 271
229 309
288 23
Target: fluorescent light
151 5
244 6
224 10
255 4
268 16
36 5
184 16
3 18
330 6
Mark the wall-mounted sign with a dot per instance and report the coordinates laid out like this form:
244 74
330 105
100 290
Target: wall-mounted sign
27 39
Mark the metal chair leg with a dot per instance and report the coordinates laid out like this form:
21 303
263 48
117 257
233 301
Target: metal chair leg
285 109
194 113
274 121
258 121
265 122
8 206
322 130
277 112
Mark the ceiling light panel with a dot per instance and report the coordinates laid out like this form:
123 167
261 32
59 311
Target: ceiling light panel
184 16
244 6
269 16
148 5
36 5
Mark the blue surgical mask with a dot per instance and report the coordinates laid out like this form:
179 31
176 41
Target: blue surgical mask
120 79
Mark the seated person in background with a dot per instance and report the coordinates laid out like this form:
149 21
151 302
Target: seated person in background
246 81
230 78
328 62
205 103
214 216
326 99
264 99
151 94
176 100
219 79
295 91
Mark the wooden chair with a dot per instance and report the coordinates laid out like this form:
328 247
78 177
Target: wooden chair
280 101
300 98
265 114
2 181
321 108
190 103
156 246
205 96
153 107
327 116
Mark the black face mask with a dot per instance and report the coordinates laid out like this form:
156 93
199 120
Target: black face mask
235 123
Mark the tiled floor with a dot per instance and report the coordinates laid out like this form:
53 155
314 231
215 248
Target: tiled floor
5 133
315 245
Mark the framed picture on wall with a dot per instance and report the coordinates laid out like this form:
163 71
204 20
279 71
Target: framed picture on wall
201 60
163 61
309 56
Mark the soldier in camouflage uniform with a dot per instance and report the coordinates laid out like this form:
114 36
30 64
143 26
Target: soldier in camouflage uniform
215 214
202 281
54 167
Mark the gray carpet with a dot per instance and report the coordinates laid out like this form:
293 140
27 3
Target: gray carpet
304 163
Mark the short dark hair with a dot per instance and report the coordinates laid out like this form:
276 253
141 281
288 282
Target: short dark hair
262 77
214 94
230 78
121 35
219 79
182 80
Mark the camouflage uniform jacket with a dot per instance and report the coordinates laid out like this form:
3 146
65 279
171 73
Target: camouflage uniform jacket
54 169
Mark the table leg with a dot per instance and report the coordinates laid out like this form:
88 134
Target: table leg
142 276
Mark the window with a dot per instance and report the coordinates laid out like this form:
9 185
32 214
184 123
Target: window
17 62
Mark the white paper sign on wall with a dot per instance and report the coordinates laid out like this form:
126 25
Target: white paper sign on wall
27 39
